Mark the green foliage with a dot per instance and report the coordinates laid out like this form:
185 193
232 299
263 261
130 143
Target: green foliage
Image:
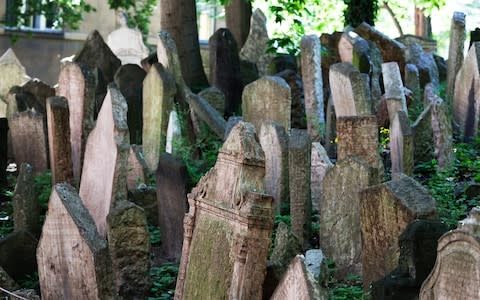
154 235
30 282
359 11
6 220
348 289
43 189
138 12
164 279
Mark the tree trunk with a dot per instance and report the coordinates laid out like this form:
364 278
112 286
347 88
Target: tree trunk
237 15
179 18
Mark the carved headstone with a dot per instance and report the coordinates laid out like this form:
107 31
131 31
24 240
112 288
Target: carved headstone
385 212
313 86
228 211
77 84
73 260
456 273
104 174
267 99
320 165
158 91
172 187
274 142
401 144
26 209
13 73
394 92
455 51
60 149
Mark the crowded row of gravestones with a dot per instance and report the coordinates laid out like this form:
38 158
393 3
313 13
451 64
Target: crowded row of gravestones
107 127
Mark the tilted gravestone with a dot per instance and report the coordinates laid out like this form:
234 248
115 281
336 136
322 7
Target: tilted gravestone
77 84
73 260
456 272
320 165
172 186
13 73
26 209
29 140
267 99
299 174
274 142
355 50
313 86
466 95
350 90
394 92
129 248
225 69
60 149
385 211
455 51
401 144
158 92
104 174
228 211
129 79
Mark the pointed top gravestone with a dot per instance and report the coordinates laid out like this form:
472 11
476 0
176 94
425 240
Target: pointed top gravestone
104 174
13 72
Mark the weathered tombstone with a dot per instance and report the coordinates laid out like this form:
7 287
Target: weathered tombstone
97 56
126 43
350 90
358 136
34 94
456 273
29 140
17 254
274 142
423 147
137 168
455 51
146 197
129 249
267 99
313 86
77 84
73 260
401 144
228 211
172 187
13 73
232 121
299 174
427 68
376 61
26 209
385 212
173 133
215 97
158 92
320 165
104 174
60 149
412 82
394 92
355 50
129 79
225 69
297 114
466 95
298 283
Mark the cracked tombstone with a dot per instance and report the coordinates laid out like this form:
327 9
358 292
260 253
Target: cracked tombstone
228 211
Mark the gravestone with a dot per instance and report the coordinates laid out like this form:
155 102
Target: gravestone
474 36
129 249
267 99
297 114
466 95
274 142
339 236
225 69
313 86
3 151
376 61
232 121
426 65
26 209
385 212
104 174
73 260
401 145
456 272
394 91
129 79
29 140
228 211
172 186
412 82
34 94
19 101
137 168
331 130
455 51
423 147
60 149
331 56
215 97
173 133
146 197
299 174
350 90
13 72
126 43
320 165
355 50
77 84
17 254
158 92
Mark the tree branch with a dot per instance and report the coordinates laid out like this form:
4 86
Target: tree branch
394 18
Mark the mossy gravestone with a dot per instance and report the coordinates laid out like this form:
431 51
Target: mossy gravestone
228 226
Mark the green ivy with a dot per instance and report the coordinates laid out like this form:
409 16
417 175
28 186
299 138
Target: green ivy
164 279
